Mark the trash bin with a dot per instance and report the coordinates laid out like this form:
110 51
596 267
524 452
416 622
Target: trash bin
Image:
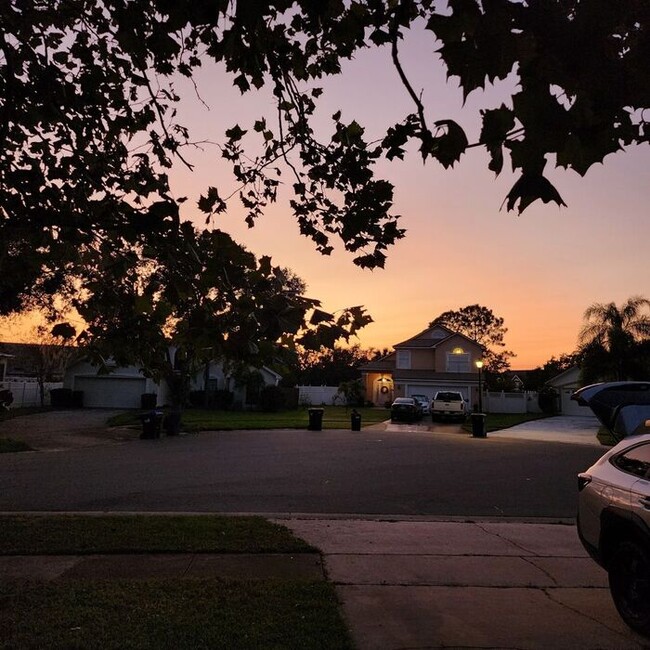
315 419
172 422
478 425
355 420
151 423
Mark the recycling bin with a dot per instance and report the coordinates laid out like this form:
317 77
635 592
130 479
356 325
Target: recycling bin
151 424
315 419
478 425
355 421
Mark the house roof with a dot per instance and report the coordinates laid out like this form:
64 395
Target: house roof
385 364
22 359
570 377
421 340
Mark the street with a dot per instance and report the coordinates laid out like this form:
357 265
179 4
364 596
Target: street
296 471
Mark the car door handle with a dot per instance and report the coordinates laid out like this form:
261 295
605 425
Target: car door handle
645 502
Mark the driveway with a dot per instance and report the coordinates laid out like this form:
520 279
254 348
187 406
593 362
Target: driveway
61 430
575 429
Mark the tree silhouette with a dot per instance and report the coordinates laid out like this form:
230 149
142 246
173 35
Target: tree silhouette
612 338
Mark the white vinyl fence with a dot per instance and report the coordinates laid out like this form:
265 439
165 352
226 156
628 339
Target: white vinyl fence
520 402
317 395
26 393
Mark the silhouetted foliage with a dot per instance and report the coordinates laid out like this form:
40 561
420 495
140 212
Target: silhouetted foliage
481 325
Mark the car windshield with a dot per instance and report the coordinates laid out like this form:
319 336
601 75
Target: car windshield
403 400
449 397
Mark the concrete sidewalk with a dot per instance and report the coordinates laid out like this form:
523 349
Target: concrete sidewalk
442 584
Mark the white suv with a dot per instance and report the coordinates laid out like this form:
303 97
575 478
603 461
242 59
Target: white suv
614 498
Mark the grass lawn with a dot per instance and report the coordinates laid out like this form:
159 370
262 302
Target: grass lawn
76 534
26 410
334 417
182 613
8 445
498 421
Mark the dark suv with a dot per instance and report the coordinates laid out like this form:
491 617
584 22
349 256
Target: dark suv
614 498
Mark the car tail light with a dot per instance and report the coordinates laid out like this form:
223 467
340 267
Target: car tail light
583 481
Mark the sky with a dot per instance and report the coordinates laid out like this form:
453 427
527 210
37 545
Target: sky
539 271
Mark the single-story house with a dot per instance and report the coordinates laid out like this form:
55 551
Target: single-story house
566 383
27 361
434 360
124 386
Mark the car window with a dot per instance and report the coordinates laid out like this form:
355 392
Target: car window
635 461
449 397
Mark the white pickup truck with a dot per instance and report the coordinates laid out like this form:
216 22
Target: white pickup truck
448 404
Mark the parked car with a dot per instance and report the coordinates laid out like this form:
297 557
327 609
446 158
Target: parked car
614 498
449 404
424 402
405 409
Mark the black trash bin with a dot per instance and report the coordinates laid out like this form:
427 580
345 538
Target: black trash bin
478 425
355 420
151 424
315 419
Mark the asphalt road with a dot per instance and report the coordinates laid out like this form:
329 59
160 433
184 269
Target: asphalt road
330 472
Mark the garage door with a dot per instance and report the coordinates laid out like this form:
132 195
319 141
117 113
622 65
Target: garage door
111 392
430 391
571 407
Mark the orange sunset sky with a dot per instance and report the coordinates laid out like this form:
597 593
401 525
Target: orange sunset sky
539 271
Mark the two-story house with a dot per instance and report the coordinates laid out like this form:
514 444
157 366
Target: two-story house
435 359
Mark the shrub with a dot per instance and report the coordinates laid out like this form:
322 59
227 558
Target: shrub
61 398
271 399
198 398
222 399
548 400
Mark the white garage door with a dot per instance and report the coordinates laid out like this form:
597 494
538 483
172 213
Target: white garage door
430 391
111 392
571 407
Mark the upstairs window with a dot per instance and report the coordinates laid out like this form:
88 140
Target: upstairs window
458 361
404 359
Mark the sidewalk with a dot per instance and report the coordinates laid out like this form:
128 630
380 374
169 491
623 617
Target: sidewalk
442 584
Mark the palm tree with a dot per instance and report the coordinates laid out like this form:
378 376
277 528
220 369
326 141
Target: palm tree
617 335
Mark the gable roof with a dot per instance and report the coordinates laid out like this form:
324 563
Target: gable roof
432 337
385 364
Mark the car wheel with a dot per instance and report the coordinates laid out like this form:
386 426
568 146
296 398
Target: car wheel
629 583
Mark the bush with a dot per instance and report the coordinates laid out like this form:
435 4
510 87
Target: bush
198 398
61 398
291 396
271 399
548 400
222 400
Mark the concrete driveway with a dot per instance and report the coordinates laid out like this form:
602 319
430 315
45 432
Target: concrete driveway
71 429
576 429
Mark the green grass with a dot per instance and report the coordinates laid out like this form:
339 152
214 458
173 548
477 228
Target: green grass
8 445
498 421
26 410
151 614
172 614
334 417
78 534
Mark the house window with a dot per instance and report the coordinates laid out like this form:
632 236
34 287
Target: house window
404 359
458 362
